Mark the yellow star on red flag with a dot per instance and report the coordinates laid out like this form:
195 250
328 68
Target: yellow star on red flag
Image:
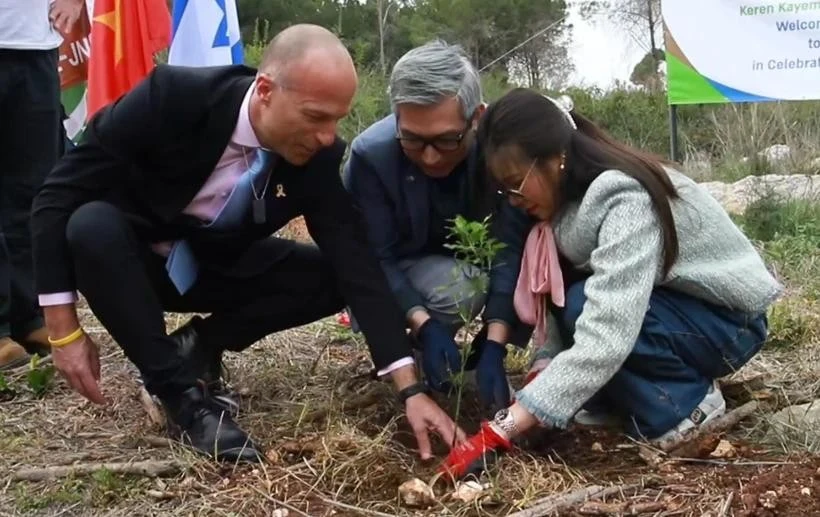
113 20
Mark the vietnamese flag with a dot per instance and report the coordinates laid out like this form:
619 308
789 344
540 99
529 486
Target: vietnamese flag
125 35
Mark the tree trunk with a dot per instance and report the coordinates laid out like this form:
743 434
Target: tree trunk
382 14
650 17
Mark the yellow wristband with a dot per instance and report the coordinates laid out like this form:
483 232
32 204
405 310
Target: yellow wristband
74 336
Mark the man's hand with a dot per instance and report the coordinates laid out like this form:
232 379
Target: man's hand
79 362
65 13
425 415
493 389
440 355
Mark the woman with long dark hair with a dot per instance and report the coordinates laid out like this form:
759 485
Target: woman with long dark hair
642 290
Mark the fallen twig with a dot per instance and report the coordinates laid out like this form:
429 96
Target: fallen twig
550 504
678 446
159 495
354 508
622 508
157 441
42 361
155 414
138 468
724 510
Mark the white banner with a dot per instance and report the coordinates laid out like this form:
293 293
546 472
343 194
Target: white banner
734 51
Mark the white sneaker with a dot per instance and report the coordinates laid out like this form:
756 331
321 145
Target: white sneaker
597 419
712 406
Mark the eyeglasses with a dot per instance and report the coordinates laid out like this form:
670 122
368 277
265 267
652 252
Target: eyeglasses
442 144
517 192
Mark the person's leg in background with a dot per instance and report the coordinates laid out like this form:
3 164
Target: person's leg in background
29 148
668 382
12 354
451 290
447 287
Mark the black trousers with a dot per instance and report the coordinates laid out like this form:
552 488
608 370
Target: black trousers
30 143
127 287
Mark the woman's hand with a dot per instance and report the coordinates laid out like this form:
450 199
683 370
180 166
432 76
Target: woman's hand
473 456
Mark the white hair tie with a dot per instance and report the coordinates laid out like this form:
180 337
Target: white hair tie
565 106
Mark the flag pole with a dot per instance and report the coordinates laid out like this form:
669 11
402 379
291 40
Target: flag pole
673 132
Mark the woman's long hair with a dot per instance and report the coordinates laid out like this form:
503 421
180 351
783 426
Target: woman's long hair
526 120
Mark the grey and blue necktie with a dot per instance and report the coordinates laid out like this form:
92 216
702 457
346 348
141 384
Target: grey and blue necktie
181 264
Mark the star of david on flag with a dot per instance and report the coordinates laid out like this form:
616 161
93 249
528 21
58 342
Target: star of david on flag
205 33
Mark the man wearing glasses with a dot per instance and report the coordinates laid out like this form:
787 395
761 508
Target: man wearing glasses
412 173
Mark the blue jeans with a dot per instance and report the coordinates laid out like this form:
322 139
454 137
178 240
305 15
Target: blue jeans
684 344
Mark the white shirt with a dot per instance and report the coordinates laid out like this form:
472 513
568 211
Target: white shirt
24 24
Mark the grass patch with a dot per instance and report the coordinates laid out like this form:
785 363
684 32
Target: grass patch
770 218
791 325
788 233
67 493
102 489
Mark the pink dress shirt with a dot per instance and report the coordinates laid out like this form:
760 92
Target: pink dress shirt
213 194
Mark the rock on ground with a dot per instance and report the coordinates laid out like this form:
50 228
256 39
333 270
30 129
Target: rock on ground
803 417
735 197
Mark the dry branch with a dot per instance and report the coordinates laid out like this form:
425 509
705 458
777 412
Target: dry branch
157 441
621 508
724 510
137 468
155 414
548 505
43 361
683 446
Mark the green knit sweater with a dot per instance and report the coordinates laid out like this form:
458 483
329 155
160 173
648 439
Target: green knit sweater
615 234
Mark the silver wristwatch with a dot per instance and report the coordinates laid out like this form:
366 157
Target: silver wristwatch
505 421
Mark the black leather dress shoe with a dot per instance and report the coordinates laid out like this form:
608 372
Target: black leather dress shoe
207 364
196 420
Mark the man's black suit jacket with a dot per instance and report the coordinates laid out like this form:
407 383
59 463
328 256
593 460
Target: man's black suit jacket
151 151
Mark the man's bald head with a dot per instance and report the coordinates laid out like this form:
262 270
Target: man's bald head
298 42
305 86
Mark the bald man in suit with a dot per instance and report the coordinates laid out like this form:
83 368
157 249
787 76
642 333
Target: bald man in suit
169 205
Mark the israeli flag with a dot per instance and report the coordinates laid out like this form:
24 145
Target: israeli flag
205 33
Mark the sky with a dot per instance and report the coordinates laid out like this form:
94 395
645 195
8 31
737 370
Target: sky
601 51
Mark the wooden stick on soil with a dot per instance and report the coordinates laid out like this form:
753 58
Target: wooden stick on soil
548 505
680 446
155 413
138 468
724 511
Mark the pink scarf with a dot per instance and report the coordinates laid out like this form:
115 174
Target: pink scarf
540 275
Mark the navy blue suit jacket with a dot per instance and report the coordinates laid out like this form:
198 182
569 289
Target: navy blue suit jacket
393 194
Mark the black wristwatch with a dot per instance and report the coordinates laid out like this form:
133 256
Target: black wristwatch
413 389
